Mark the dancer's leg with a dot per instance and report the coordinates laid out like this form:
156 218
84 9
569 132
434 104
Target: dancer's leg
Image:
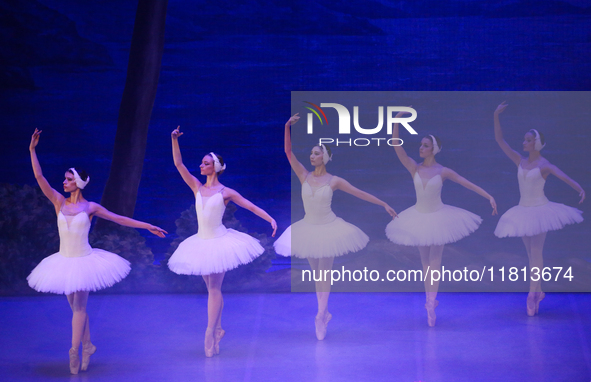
535 246
214 307
218 331
78 301
431 260
321 271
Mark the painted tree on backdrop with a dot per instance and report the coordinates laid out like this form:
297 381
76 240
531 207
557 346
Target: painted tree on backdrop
143 71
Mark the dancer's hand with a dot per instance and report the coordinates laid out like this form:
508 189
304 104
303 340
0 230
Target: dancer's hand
493 205
157 231
391 211
274 226
34 139
582 195
176 133
501 107
294 119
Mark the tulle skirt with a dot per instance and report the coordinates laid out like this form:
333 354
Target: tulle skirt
317 241
446 225
65 275
522 221
197 256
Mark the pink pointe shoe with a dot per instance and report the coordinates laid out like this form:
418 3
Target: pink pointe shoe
88 349
219 334
74 361
431 317
533 302
209 352
321 325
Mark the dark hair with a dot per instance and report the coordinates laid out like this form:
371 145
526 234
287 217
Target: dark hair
436 139
81 172
221 162
541 136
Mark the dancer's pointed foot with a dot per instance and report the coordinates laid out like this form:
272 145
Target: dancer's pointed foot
209 343
431 317
530 307
74 361
88 349
219 334
541 296
321 323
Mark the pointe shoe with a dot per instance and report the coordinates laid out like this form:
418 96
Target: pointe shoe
541 296
321 325
87 350
218 335
74 361
431 316
209 352
531 304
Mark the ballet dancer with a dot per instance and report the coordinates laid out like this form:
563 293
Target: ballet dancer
535 215
430 224
321 236
77 268
214 249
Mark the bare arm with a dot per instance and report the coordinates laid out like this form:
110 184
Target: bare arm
454 176
54 197
240 200
512 154
297 167
566 179
100 211
343 185
178 162
406 161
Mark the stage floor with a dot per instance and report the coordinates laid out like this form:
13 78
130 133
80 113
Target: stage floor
270 337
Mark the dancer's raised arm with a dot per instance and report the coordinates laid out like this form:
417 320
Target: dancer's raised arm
240 200
55 197
406 161
512 154
450 174
343 185
178 161
297 167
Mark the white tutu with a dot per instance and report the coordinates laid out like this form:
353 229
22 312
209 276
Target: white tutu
316 241
430 222
215 248
65 275
522 221
197 256
535 214
446 225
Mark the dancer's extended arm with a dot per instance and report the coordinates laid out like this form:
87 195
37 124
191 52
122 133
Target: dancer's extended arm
240 200
178 161
343 185
297 167
406 161
55 197
512 154
95 209
552 169
450 174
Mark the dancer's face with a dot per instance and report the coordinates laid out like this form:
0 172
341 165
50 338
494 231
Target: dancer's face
426 148
69 182
529 142
207 165
316 156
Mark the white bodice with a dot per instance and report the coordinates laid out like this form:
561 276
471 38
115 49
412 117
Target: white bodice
317 204
73 231
428 196
531 187
210 211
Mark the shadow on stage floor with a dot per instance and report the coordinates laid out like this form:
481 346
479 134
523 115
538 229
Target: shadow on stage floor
270 337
